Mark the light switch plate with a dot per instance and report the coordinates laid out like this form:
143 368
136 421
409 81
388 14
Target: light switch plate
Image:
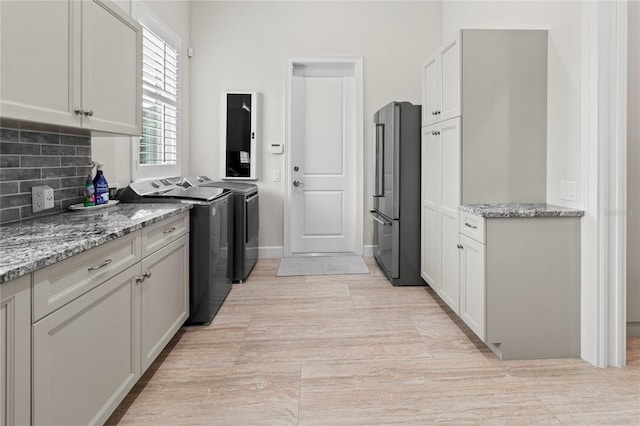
568 190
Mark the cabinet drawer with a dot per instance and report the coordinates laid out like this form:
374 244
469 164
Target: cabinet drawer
59 284
473 227
162 233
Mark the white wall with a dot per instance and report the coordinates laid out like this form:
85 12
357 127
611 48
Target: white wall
563 20
245 46
115 152
633 170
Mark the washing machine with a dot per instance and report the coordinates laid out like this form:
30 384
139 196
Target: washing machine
209 239
245 221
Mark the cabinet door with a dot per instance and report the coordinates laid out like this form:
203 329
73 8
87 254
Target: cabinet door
473 285
450 72
164 297
449 200
430 91
430 241
86 354
111 70
15 352
38 61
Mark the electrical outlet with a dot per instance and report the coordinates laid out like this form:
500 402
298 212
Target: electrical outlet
48 198
41 198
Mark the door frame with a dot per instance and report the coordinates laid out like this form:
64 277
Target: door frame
604 150
356 61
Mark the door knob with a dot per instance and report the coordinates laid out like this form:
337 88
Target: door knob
297 183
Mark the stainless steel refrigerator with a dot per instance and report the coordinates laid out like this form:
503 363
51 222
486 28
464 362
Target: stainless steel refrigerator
396 198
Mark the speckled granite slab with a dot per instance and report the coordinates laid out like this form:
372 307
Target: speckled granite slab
34 244
520 210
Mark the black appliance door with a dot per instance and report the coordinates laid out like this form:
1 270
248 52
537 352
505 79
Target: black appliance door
387 134
252 224
386 244
219 254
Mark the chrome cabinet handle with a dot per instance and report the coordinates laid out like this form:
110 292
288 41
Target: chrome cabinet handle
102 265
78 111
89 113
435 133
170 230
143 277
468 225
297 183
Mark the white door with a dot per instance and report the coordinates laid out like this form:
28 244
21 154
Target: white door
473 285
449 197
430 183
324 201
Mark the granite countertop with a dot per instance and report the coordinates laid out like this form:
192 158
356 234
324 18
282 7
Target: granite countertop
499 210
35 243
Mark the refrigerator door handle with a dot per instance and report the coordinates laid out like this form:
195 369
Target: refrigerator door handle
375 217
379 135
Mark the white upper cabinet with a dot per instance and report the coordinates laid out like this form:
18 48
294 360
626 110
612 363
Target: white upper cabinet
70 63
36 61
111 69
441 84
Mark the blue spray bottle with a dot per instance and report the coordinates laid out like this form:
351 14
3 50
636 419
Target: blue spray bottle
101 186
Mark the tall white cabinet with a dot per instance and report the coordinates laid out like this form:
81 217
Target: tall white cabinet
483 138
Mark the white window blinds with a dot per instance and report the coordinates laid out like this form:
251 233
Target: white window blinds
160 70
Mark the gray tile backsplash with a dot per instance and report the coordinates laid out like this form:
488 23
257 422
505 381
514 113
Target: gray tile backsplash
29 158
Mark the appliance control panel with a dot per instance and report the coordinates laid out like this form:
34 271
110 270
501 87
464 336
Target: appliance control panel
196 180
152 187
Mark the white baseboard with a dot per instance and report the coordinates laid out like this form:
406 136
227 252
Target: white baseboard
278 251
270 252
633 329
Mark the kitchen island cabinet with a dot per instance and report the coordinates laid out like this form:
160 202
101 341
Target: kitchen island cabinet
15 352
71 63
520 278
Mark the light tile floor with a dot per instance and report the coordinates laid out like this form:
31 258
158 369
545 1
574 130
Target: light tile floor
353 349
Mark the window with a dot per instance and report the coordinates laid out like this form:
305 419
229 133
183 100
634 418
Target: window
156 153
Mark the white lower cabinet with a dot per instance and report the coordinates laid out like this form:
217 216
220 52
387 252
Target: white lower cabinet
15 352
520 284
88 353
440 201
164 297
473 285
85 355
